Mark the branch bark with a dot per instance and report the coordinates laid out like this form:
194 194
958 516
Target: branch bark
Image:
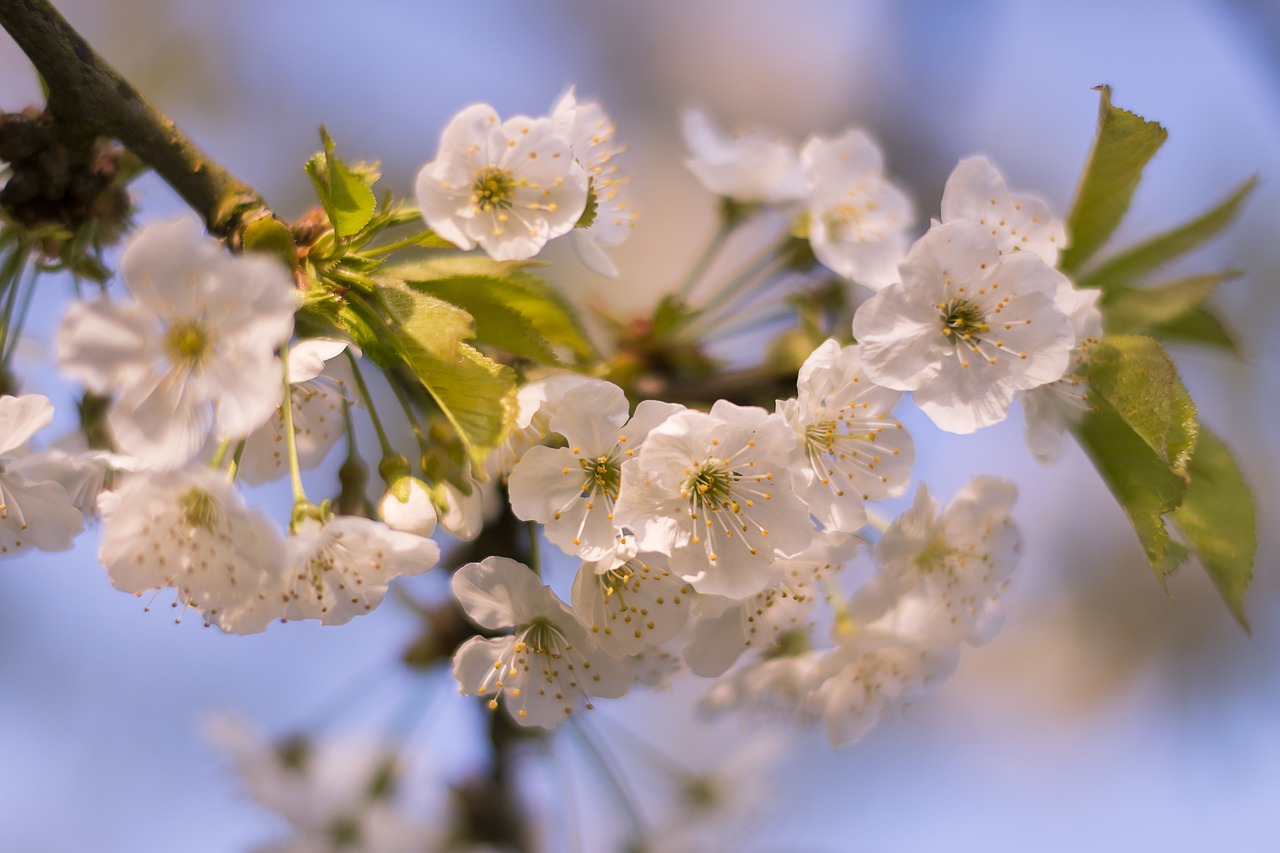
88 98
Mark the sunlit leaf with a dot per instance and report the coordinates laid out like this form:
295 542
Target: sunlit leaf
1141 309
346 196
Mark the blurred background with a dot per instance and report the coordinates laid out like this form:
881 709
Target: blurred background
1105 716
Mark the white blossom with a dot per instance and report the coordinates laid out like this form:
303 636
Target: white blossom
406 506
548 666
632 606
536 403
1050 409
747 167
941 576
193 349
35 509
590 132
190 529
780 688
966 328
715 492
341 569
508 186
976 192
858 220
318 380
572 490
855 451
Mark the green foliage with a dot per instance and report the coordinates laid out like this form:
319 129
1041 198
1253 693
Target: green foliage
433 324
272 237
1124 143
1218 520
1200 326
1135 377
514 310
1127 267
345 194
1133 310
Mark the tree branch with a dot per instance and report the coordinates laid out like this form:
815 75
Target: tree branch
88 99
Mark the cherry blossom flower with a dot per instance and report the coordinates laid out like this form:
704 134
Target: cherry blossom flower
966 328
858 220
548 666
747 167
716 492
976 192
318 382
189 529
723 629
341 569
192 350
1050 409
406 506
536 402
941 576
632 606
589 131
572 490
35 509
856 452
508 186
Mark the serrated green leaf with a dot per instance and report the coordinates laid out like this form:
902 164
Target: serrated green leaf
1218 519
1129 266
476 394
1141 481
1123 145
346 196
271 236
547 312
436 326
1138 310
496 323
1200 326
1136 378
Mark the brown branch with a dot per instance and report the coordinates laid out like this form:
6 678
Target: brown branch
88 99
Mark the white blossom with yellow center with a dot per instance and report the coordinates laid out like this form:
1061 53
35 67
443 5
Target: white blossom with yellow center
854 449
716 492
976 192
629 607
858 219
507 186
193 350
966 328
548 667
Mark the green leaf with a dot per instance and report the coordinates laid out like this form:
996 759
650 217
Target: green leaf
433 324
476 394
496 322
346 196
272 237
1200 326
1128 310
551 317
1218 519
1127 267
1135 377
1141 481
1124 143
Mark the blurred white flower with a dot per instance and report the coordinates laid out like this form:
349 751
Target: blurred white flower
858 220
966 328
508 186
35 509
193 349
747 167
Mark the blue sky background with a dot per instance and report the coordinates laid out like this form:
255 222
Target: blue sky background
1105 716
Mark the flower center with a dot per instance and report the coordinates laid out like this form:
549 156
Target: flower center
540 637
962 320
187 343
200 509
709 485
603 475
822 435
933 556
493 189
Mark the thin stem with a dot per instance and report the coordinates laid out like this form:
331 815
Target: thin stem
535 548
415 240
387 449
744 277
220 455
290 439
704 260
234 467
10 284
23 309
759 278
604 763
